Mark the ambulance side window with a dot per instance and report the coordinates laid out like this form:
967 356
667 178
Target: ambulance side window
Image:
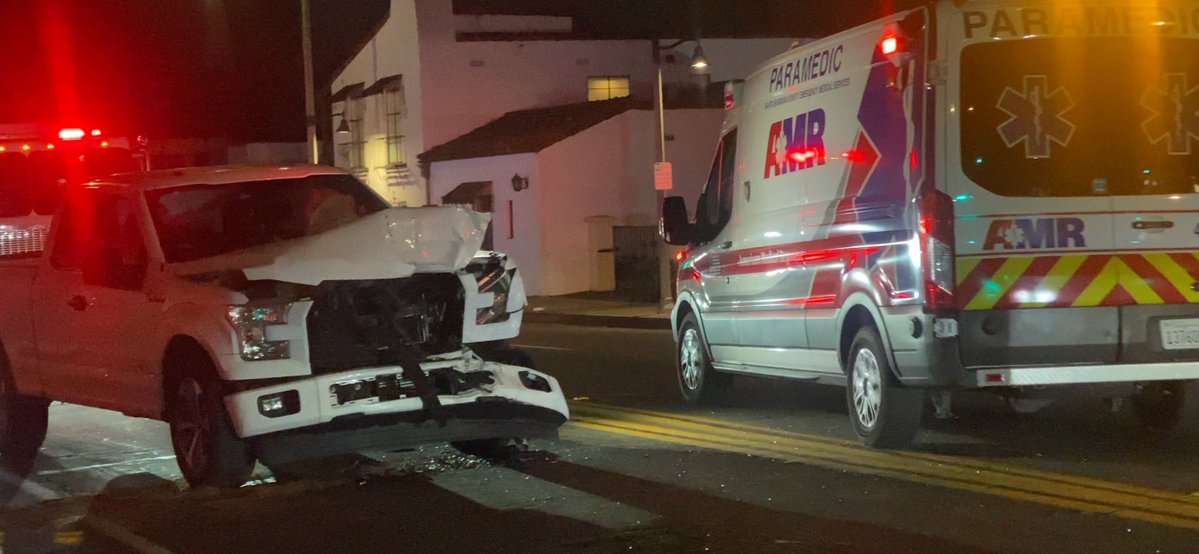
716 204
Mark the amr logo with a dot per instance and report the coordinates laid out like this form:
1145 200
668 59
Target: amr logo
1174 114
1037 116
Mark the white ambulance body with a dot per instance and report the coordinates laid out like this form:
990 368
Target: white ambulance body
962 195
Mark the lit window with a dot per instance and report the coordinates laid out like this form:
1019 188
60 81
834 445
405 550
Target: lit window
393 100
607 88
357 109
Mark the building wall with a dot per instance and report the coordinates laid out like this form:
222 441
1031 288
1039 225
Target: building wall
269 153
607 170
393 51
525 246
453 87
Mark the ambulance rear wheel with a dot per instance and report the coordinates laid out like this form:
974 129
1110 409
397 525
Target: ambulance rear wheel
1166 406
884 413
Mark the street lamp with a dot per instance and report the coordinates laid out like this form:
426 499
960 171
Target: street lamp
699 66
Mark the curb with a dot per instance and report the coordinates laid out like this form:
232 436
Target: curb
588 320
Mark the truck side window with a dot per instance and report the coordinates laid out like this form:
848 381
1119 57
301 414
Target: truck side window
101 237
716 204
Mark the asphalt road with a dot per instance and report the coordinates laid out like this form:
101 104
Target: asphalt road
773 467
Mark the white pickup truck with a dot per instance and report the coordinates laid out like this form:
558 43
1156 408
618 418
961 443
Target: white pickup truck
271 314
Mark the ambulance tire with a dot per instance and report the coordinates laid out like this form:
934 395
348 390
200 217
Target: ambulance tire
699 382
883 412
1168 406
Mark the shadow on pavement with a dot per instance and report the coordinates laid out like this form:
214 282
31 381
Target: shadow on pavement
732 525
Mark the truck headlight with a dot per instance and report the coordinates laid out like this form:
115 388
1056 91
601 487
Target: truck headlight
251 322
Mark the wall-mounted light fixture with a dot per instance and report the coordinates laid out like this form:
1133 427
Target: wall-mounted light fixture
519 183
344 127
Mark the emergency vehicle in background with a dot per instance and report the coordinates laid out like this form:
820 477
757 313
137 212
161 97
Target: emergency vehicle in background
977 194
36 160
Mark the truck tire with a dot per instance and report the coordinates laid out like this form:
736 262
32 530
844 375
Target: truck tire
1168 406
23 421
699 382
207 449
883 412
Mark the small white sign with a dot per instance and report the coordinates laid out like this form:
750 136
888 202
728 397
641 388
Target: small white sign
663 176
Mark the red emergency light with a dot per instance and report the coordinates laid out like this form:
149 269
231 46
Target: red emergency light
71 133
889 45
95 132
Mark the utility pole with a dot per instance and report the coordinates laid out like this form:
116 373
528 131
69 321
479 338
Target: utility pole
314 152
665 299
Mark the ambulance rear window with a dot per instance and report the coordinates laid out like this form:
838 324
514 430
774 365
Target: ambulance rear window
1081 116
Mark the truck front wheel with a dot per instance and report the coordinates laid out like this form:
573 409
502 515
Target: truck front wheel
207 449
23 422
884 414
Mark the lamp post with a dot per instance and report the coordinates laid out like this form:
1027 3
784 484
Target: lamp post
309 92
699 65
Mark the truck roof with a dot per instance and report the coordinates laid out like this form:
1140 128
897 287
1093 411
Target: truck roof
215 175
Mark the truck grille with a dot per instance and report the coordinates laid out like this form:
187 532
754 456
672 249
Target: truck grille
14 242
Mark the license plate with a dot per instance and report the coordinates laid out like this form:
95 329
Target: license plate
1180 334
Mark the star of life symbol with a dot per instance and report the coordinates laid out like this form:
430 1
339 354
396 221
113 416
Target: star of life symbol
1013 235
1175 114
1036 116
780 150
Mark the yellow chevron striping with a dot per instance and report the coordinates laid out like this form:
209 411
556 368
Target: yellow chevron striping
999 283
1175 274
963 268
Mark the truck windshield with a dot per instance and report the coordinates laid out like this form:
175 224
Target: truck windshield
198 221
1081 116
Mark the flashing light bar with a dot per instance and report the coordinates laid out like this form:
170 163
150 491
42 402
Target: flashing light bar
890 45
71 133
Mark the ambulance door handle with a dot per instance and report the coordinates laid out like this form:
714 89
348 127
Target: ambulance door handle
725 245
1153 226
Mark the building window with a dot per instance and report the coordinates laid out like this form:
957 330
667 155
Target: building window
607 88
357 109
393 102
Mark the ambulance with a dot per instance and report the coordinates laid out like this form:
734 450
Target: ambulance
977 194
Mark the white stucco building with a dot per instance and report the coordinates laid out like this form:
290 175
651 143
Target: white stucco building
429 77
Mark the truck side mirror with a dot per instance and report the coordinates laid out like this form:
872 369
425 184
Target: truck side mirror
675 226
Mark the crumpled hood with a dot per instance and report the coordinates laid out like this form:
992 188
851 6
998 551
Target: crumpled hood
390 244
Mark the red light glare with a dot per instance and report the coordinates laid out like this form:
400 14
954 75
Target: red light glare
103 144
890 45
801 156
70 133
853 156
26 147
49 146
95 132
680 255
3 148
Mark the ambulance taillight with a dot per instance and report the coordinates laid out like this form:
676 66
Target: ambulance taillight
936 242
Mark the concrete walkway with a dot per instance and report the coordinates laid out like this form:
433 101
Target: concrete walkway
596 310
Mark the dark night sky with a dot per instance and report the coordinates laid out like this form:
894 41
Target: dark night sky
233 68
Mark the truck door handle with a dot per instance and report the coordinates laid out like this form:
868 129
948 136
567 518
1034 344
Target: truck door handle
725 245
77 303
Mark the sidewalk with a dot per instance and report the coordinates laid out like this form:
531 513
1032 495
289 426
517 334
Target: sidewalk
596 309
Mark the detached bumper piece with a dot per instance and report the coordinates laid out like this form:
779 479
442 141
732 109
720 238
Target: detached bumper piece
460 397
357 432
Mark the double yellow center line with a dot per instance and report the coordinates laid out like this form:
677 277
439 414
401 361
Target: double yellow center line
997 479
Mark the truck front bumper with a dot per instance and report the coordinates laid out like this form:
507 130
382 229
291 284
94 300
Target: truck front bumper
347 411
